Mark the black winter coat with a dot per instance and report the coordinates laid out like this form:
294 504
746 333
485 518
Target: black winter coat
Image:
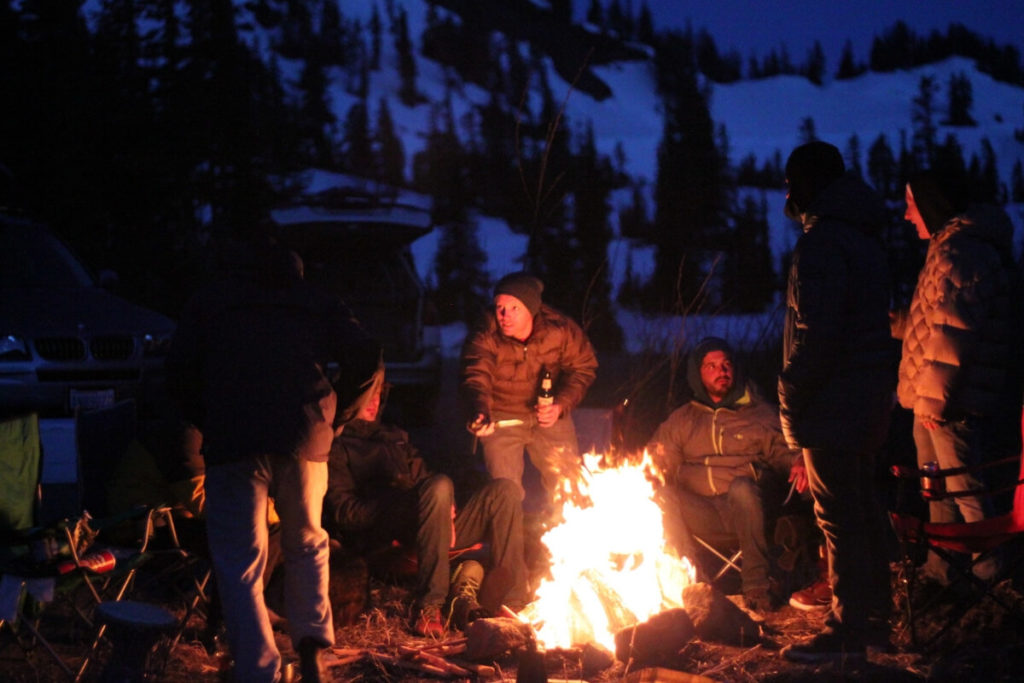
249 360
839 360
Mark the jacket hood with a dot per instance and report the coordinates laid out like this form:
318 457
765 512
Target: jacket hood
851 200
700 393
983 222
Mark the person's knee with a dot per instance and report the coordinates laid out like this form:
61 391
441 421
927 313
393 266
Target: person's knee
745 493
504 492
438 488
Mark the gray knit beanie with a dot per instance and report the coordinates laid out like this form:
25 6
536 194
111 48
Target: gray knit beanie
524 287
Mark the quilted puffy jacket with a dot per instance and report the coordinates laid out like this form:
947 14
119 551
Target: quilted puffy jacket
501 374
959 333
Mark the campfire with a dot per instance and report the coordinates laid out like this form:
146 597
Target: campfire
610 568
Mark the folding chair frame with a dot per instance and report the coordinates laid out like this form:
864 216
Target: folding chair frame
729 562
962 545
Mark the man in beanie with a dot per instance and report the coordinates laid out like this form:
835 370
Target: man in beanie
722 453
502 364
957 372
836 385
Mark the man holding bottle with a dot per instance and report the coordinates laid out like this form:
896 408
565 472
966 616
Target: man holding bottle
503 362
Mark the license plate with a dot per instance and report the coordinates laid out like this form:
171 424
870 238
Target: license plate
93 399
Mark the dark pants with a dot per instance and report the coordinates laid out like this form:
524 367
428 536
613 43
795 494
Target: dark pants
737 513
848 511
493 515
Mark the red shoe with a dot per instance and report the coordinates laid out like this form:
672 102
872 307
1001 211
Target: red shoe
817 596
428 622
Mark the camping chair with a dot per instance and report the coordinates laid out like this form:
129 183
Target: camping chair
161 564
963 545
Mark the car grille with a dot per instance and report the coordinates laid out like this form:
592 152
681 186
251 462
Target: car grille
112 348
60 348
119 347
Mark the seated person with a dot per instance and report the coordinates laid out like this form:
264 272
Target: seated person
717 453
379 489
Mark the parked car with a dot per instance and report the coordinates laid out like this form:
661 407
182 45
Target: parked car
355 243
65 342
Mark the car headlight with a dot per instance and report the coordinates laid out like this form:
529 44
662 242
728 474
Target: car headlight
155 344
13 348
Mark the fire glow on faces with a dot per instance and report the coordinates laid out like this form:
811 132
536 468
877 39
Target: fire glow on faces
514 318
913 214
610 566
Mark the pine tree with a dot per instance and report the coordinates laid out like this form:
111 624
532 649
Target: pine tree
882 172
376 29
389 151
848 66
688 194
408 92
316 117
806 133
749 282
923 122
356 148
961 99
461 289
814 68
1017 183
853 155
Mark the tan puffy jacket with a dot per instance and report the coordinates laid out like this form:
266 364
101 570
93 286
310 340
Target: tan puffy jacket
960 330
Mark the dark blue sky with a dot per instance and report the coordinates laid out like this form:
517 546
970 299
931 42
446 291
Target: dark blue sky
756 26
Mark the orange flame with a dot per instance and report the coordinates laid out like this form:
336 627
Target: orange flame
610 567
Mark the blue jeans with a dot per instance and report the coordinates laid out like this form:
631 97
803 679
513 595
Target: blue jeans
421 517
738 512
237 496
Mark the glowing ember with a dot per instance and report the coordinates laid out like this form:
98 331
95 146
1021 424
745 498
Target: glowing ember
610 567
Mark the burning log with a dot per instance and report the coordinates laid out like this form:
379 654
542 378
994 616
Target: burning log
716 618
489 638
657 640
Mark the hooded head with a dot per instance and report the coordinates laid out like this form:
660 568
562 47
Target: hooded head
811 168
712 373
933 198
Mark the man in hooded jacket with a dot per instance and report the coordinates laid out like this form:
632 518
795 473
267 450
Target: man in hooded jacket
836 387
957 371
717 451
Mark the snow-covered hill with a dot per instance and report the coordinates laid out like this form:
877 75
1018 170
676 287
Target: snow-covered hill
760 117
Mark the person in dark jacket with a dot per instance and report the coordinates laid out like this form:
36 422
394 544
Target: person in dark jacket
836 387
957 372
716 452
502 362
380 490
248 365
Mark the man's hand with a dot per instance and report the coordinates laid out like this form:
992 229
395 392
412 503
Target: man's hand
798 474
481 425
549 414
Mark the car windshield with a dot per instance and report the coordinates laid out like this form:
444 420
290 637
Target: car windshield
31 258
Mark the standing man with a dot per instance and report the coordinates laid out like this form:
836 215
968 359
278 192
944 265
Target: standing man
718 452
248 364
502 364
836 384
957 372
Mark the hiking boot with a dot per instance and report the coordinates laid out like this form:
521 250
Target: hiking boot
465 586
828 646
311 666
817 596
428 621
